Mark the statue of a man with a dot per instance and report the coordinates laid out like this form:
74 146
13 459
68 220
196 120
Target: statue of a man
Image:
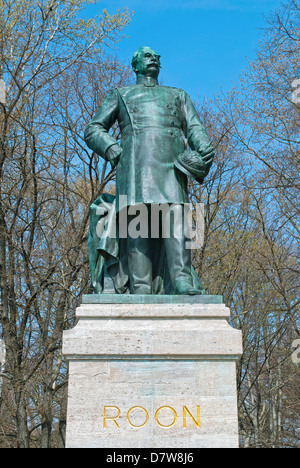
152 166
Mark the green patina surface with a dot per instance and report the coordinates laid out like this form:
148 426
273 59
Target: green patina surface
152 164
149 299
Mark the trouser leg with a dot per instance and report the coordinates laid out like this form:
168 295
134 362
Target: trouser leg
139 264
178 260
178 256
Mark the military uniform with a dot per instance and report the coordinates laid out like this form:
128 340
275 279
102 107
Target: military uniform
152 120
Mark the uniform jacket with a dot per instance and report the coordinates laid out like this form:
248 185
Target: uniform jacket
152 120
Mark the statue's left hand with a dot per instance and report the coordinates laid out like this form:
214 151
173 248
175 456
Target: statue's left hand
208 156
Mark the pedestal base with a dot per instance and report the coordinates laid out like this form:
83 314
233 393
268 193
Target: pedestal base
145 375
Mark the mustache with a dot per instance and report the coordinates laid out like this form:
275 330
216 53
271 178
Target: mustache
155 63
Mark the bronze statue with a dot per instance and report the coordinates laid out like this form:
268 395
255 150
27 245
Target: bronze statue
152 164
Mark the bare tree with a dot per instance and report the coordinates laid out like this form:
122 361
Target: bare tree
45 195
251 249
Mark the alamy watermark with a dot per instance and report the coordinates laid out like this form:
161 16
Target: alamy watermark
296 353
153 221
296 93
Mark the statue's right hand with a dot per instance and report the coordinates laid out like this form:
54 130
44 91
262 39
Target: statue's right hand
113 155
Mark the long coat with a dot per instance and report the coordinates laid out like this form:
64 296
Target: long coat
152 119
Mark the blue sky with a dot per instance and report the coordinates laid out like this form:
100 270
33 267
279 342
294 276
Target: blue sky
204 44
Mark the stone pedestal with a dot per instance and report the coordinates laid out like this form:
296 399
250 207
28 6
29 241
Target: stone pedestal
152 372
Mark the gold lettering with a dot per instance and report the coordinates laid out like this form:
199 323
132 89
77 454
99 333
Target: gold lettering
110 418
146 413
185 410
170 425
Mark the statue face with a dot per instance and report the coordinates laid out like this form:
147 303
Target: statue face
147 63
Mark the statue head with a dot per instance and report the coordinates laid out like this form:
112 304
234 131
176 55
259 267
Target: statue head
146 62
